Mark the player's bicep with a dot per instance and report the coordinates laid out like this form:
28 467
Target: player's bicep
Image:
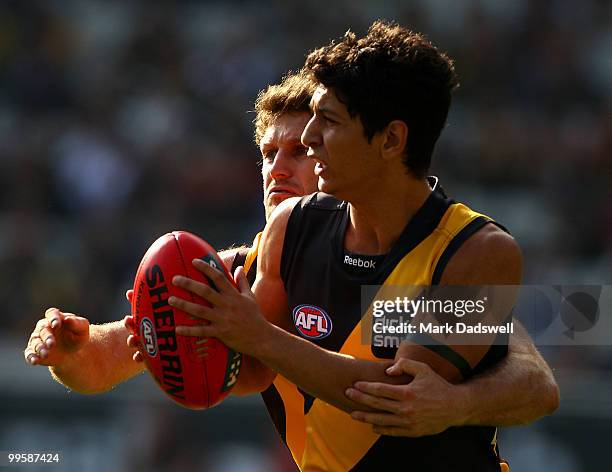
487 261
269 288
272 300
443 360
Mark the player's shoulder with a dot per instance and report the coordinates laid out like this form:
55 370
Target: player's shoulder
274 233
491 256
281 214
297 206
322 201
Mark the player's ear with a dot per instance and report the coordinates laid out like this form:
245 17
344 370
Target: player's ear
394 138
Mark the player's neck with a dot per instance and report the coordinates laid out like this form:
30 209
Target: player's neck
378 221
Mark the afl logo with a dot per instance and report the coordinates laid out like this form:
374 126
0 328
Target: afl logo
312 322
148 336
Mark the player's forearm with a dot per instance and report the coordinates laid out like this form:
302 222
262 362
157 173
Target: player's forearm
519 390
321 373
102 363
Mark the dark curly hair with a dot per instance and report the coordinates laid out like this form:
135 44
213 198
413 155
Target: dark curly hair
291 95
390 74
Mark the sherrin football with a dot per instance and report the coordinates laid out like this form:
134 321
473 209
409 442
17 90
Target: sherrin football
189 378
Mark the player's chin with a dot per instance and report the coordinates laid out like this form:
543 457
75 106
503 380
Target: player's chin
270 205
325 186
276 198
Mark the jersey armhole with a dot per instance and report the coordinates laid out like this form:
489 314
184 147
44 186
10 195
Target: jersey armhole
461 237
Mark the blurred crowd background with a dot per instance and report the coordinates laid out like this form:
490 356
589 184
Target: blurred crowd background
123 120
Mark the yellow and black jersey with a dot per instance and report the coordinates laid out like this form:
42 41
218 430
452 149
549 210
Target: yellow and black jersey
323 284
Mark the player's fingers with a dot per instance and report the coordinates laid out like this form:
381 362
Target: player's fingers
37 341
372 401
198 288
383 390
128 322
133 341
379 419
47 337
241 280
200 331
36 331
194 309
218 278
129 294
38 347
408 366
76 324
30 356
55 317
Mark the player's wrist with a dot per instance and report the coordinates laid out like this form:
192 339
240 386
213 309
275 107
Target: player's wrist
265 347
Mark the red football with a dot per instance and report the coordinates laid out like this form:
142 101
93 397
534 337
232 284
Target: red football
191 379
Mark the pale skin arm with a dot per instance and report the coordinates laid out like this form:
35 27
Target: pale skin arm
518 390
94 358
83 357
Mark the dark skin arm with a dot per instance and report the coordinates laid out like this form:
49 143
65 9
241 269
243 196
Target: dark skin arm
518 390
237 318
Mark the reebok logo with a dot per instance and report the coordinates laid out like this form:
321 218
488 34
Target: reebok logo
357 262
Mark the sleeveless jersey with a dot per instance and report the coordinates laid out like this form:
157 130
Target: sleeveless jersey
314 274
320 436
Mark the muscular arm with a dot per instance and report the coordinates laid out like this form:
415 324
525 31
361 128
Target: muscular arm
94 358
518 390
520 387
490 258
101 363
258 324
236 318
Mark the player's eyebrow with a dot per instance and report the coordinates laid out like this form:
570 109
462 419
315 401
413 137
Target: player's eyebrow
322 107
326 111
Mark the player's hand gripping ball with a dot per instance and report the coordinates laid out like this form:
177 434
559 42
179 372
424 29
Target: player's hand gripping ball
195 372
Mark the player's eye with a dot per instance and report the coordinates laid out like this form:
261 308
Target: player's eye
329 120
269 154
300 151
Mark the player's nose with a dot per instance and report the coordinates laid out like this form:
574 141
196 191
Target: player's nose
281 166
311 135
